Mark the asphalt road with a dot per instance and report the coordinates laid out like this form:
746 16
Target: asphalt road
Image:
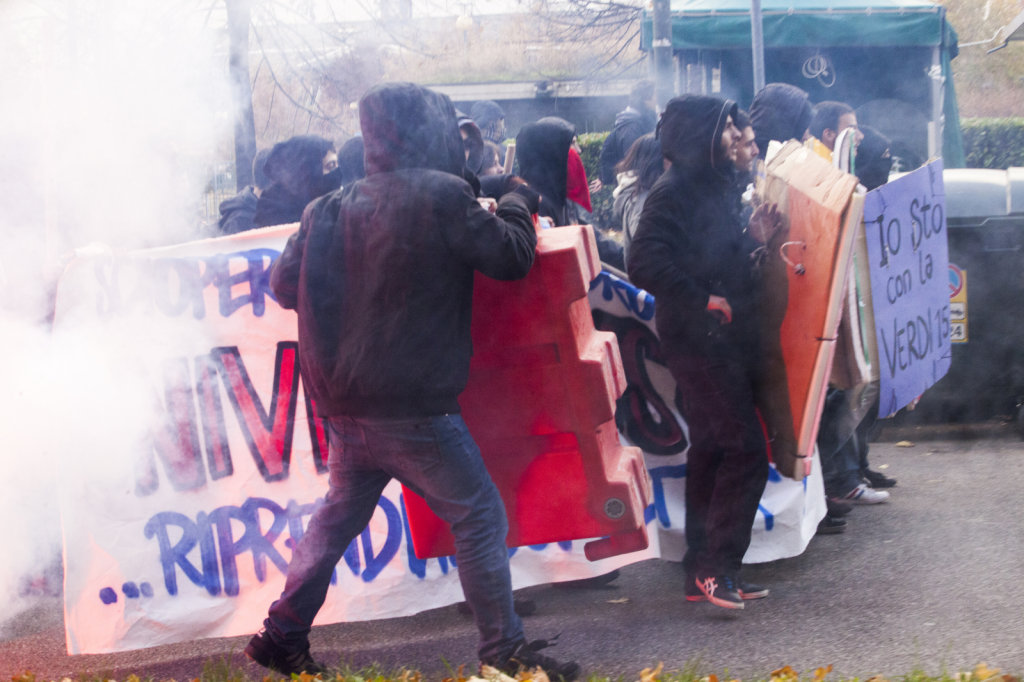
931 581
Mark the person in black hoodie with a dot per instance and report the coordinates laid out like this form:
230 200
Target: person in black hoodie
874 158
491 118
782 112
350 161
300 169
542 152
236 213
638 118
691 251
381 276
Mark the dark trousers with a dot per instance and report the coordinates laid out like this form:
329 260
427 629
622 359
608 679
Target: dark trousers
726 464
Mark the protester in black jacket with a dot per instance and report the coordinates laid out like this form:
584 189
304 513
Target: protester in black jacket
638 118
692 253
350 161
542 150
237 212
381 276
782 112
300 169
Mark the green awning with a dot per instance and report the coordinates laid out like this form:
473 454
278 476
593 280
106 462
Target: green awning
708 25
725 24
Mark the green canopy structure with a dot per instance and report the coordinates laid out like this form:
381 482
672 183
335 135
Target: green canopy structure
889 59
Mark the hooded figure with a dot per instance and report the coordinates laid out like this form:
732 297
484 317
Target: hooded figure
473 141
381 275
237 213
874 158
689 242
635 120
295 169
350 161
542 151
491 119
780 112
691 252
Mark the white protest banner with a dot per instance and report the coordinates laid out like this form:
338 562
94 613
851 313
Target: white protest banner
179 519
905 226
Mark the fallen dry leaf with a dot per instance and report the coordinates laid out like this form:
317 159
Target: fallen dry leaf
651 674
620 600
491 674
785 674
904 444
983 672
820 673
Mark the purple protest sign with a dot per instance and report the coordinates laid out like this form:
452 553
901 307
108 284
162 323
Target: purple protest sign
905 226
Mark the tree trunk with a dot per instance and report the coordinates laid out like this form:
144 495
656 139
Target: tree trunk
239 12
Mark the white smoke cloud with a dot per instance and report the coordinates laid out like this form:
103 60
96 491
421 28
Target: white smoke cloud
112 114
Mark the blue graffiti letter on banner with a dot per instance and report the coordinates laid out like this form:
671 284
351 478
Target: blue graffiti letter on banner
636 301
657 474
375 563
255 277
177 554
252 540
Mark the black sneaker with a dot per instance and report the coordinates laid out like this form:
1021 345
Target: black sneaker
720 590
837 508
747 591
270 654
526 656
831 525
876 479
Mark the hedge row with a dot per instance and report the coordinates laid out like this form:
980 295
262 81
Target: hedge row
993 142
988 143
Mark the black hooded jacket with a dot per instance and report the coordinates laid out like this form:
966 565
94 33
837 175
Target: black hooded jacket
350 161
779 112
381 272
874 160
236 213
295 170
630 125
542 151
689 243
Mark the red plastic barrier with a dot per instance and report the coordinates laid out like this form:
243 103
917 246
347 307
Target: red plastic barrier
540 403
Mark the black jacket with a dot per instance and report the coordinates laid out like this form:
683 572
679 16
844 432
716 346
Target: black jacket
295 170
381 272
689 242
237 212
542 151
630 124
780 111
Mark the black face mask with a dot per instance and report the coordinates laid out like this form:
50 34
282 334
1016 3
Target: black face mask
329 182
874 173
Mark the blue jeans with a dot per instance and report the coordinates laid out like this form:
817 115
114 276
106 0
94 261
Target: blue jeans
838 446
437 458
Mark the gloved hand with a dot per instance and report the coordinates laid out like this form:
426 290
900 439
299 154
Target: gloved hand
532 197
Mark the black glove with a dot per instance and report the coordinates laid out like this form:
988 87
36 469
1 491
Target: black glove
532 197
